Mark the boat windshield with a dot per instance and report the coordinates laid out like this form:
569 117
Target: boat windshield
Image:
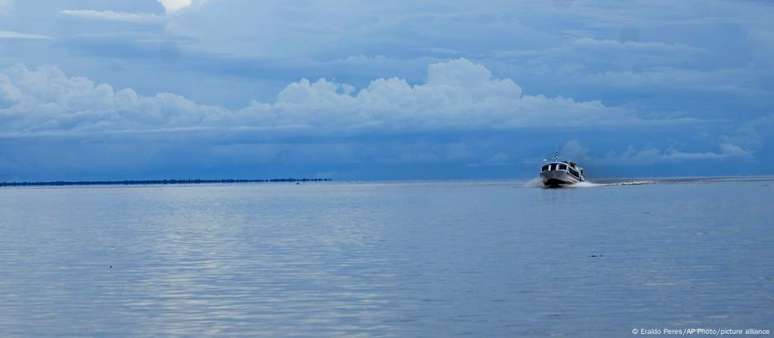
545 168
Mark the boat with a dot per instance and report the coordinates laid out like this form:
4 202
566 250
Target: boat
558 173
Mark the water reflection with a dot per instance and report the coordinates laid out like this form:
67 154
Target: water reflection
441 259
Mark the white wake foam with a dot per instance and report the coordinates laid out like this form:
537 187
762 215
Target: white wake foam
538 183
586 184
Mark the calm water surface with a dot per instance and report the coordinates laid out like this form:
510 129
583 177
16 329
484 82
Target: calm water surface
487 259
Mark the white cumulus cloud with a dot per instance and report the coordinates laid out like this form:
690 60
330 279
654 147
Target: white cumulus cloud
46 99
457 94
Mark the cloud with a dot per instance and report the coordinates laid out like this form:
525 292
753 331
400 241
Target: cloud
672 78
5 6
170 6
574 150
457 95
658 59
46 99
652 156
636 46
496 160
174 5
138 18
22 36
632 156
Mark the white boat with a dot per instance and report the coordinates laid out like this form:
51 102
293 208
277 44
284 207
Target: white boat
558 173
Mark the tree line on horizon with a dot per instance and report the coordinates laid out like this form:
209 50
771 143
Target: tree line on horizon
165 181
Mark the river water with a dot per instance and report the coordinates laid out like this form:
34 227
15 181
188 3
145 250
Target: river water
418 259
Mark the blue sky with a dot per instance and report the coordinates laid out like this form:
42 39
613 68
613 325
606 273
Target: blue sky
132 89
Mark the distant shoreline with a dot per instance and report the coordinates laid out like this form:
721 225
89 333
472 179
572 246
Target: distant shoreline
159 182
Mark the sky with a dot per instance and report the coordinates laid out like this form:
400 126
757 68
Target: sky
365 90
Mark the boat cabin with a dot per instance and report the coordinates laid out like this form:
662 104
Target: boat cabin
569 167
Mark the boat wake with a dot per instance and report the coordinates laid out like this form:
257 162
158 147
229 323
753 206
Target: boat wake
589 184
626 182
585 184
538 183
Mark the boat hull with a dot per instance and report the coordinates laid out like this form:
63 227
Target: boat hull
556 179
